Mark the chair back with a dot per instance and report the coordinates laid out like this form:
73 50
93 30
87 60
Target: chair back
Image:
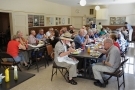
121 65
39 52
49 49
52 55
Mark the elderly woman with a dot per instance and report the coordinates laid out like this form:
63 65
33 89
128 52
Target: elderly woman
23 42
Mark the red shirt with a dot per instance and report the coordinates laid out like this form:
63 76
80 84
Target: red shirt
13 48
117 45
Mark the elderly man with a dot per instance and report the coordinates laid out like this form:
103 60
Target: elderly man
79 40
40 35
61 51
31 38
49 33
109 65
64 30
71 29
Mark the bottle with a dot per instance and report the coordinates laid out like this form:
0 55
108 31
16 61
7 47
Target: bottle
15 73
7 75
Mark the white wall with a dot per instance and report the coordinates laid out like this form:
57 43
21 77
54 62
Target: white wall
35 6
21 8
127 10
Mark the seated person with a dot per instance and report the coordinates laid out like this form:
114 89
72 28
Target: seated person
114 38
102 32
122 42
31 38
40 35
64 30
49 33
95 32
111 63
91 36
13 50
85 31
55 38
62 51
79 40
23 42
71 29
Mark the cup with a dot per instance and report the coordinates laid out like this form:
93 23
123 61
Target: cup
88 49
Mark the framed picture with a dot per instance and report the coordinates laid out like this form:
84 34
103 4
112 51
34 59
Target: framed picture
117 20
36 20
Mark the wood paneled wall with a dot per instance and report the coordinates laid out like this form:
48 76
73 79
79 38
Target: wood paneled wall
47 28
115 27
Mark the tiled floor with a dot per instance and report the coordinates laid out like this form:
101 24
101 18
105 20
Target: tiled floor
42 79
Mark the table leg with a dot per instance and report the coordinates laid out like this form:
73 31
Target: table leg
85 67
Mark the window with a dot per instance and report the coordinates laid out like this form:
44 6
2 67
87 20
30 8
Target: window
91 11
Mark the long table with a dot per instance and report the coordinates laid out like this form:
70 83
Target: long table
86 56
22 76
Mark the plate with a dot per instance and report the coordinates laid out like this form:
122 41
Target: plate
76 52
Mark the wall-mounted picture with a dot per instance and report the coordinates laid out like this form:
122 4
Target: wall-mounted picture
63 21
36 20
117 20
88 20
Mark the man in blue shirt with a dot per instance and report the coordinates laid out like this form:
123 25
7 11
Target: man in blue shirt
79 40
130 29
40 35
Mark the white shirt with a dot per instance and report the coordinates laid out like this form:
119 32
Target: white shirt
48 33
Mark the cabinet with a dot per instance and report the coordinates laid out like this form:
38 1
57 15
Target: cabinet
102 14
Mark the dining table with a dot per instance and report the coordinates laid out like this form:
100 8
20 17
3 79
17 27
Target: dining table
22 77
87 56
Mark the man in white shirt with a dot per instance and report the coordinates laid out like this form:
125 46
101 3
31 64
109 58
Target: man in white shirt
49 33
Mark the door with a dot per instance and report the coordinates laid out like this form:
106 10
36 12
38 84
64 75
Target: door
19 23
77 22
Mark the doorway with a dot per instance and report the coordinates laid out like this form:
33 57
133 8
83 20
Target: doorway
5 35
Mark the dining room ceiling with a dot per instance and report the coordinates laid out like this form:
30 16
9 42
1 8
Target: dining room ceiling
91 2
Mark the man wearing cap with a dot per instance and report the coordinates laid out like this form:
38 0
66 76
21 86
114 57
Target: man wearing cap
62 52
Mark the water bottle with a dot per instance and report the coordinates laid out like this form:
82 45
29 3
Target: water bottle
15 73
7 75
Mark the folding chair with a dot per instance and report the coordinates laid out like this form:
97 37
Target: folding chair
6 63
59 68
118 73
37 55
49 50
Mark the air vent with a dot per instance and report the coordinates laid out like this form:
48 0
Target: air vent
91 11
